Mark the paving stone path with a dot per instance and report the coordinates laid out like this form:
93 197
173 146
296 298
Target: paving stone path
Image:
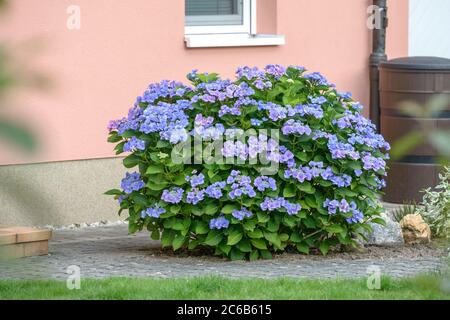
110 252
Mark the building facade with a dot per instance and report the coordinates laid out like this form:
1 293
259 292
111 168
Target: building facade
100 54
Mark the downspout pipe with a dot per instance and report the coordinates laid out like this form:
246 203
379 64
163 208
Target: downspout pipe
378 56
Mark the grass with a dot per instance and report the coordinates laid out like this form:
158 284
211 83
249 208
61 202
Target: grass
423 287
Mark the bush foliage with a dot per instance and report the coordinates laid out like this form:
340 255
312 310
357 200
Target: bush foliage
307 176
435 206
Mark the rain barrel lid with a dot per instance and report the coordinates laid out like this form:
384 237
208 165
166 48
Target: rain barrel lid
418 63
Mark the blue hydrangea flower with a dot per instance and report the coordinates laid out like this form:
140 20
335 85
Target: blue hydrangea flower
132 182
175 195
134 144
219 223
196 179
215 190
195 196
154 212
241 214
262 183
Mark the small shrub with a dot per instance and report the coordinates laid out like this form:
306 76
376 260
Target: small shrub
435 206
300 166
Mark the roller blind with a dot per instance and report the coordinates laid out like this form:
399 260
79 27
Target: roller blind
213 12
211 7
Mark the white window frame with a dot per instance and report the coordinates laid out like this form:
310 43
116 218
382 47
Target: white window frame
244 35
245 27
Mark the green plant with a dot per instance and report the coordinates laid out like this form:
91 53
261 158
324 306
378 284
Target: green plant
300 167
435 206
404 210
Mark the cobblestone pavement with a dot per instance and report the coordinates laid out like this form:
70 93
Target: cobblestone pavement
109 251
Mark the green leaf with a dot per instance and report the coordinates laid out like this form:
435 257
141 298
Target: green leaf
153 169
140 199
309 222
162 144
132 227
259 243
234 237
131 161
244 245
254 255
156 187
262 217
273 238
201 227
289 221
168 223
225 248
273 226
214 237
155 235
324 247
178 242
180 180
303 248
113 192
354 165
229 208
114 137
295 237
236 254
306 187
289 191
378 221
211 209
265 254
284 237
311 201
193 244
334 228
255 234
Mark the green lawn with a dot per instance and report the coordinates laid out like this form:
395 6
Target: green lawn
423 287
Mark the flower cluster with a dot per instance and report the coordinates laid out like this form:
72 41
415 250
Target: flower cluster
272 204
132 182
335 206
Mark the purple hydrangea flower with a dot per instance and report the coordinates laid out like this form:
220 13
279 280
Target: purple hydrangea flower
262 183
219 223
132 182
215 190
134 144
331 205
296 127
195 196
241 214
175 195
272 204
196 179
154 212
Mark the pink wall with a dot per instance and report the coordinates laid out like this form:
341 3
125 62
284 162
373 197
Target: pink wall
99 70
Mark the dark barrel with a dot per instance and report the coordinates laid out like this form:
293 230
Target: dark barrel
412 79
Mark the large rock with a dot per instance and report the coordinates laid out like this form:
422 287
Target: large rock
415 229
391 234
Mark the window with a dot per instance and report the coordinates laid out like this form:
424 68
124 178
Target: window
217 16
224 23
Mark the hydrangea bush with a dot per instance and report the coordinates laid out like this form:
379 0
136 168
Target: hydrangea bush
307 177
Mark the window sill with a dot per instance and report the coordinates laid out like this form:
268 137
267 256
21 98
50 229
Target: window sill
233 40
